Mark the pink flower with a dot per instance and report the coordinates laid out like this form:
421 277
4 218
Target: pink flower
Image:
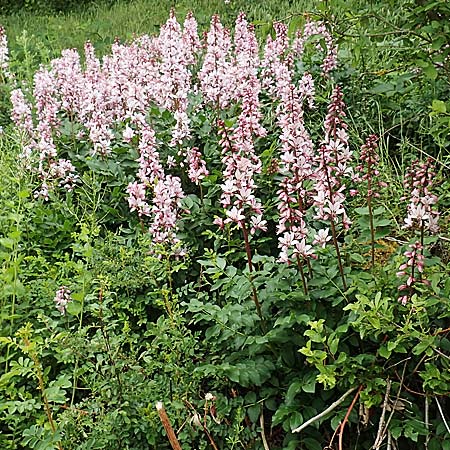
257 223
137 198
240 166
21 112
321 238
234 215
128 134
62 299
4 54
318 28
217 75
334 156
196 165
415 263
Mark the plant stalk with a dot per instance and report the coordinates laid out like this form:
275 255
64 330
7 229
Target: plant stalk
250 269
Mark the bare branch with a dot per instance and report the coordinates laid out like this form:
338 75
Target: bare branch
263 433
380 435
325 412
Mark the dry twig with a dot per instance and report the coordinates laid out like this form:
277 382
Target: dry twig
442 415
349 410
325 412
427 421
380 437
263 433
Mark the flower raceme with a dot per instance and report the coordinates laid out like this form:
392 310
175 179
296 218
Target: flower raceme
62 299
419 182
422 216
413 270
4 55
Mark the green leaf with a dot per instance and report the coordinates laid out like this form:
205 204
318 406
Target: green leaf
439 106
294 388
423 345
411 434
384 352
55 394
333 345
311 444
310 387
280 414
295 420
383 88
434 444
430 71
7 243
221 262
254 412
74 308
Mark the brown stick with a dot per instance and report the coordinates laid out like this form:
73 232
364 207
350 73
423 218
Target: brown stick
167 426
349 410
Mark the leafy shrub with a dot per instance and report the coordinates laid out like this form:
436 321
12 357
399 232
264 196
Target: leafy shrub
253 288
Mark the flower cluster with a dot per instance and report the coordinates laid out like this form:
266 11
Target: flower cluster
150 171
333 165
240 166
62 299
217 75
196 165
166 202
413 269
367 170
318 28
21 112
109 99
419 181
4 54
296 156
176 51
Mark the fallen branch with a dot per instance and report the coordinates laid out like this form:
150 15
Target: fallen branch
325 412
167 426
389 441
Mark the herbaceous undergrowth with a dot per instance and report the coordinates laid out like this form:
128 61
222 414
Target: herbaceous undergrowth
212 239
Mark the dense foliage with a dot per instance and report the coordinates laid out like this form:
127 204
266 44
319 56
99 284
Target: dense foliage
249 226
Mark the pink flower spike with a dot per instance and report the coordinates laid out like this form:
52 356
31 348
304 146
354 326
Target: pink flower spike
62 299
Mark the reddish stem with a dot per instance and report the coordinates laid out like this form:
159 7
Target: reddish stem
250 268
349 410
